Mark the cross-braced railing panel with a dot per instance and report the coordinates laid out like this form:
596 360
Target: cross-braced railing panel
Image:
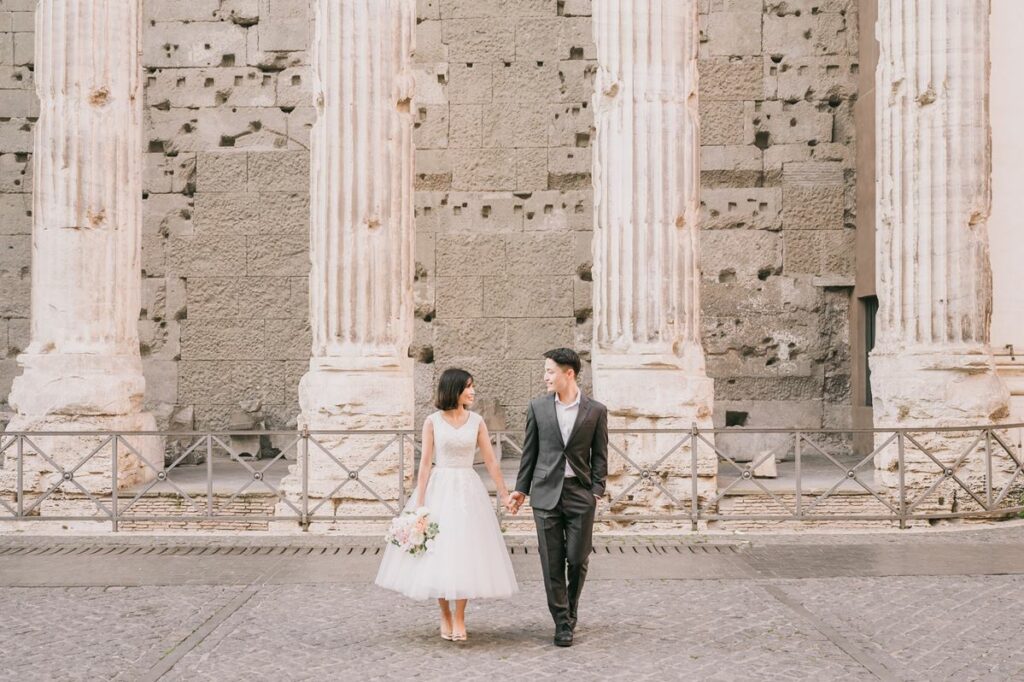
742 474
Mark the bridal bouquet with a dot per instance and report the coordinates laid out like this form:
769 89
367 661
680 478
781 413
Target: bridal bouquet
413 532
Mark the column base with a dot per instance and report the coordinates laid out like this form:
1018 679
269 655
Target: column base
652 392
354 395
95 474
930 390
89 384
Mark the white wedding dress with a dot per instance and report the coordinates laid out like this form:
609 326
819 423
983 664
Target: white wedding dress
469 559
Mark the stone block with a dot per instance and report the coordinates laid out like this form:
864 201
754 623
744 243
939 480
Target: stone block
300 122
433 170
750 209
784 123
279 171
428 9
468 337
17 78
819 79
459 297
471 9
226 213
465 123
15 173
164 174
483 169
807 34
24 49
570 125
18 104
194 10
470 83
576 39
517 82
241 12
242 297
430 43
528 296
576 8
731 158
531 169
15 275
813 207
277 255
569 167
294 87
7 48
494 212
19 333
554 211
222 339
161 381
530 337
284 25
508 382
743 253
813 173
538 39
431 83
734 34
430 126
576 81
524 126
169 44
482 39
582 300
154 255
778 156
16 135
221 171
206 255
288 339
461 254
192 130
821 252
168 215
541 253
284 213
731 78
15 213
210 87
228 382
721 122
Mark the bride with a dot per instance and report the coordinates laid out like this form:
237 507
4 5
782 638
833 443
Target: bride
468 559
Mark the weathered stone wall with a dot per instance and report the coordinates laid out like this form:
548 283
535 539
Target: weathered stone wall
503 204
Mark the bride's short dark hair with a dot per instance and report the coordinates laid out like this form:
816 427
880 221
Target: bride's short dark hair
450 386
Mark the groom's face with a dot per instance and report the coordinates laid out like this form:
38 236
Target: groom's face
556 377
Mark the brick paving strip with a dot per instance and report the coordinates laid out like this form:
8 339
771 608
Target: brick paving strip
884 606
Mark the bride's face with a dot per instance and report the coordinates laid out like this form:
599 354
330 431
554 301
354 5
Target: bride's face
468 395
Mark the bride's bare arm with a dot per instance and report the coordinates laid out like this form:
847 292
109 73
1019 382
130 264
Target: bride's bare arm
426 462
483 441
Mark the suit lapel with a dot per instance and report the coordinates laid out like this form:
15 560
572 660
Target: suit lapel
581 414
553 417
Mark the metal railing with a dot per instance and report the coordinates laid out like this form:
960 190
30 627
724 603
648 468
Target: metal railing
908 476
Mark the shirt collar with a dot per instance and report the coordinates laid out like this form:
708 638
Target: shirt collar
579 394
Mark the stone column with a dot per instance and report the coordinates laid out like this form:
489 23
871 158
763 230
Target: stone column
361 248
82 369
648 361
932 365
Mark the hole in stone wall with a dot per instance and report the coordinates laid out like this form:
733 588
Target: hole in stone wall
735 418
575 53
208 83
296 80
485 211
763 140
727 275
227 60
238 81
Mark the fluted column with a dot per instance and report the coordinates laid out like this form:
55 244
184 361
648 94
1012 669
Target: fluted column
648 361
361 243
932 365
82 368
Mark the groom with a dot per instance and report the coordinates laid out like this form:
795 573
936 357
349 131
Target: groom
563 469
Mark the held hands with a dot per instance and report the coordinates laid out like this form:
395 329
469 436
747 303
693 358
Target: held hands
514 502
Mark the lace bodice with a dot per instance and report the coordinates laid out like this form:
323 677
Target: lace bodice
455 447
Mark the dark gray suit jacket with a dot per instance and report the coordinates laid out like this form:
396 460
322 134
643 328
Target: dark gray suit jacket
542 467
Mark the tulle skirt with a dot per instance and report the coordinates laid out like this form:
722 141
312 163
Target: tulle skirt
469 559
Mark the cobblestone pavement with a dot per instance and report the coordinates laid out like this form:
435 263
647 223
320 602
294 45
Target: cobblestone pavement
246 608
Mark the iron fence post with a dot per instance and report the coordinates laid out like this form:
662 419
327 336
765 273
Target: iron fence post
902 479
20 485
401 471
694 502
304 468
988 469
209 475
799 486
113 482
497 456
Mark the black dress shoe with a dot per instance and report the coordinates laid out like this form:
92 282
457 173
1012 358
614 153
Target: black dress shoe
563 636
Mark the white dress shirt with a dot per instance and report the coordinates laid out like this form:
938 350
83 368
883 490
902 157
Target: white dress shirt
566 413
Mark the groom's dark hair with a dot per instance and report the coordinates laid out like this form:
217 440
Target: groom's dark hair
566 358
450 386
